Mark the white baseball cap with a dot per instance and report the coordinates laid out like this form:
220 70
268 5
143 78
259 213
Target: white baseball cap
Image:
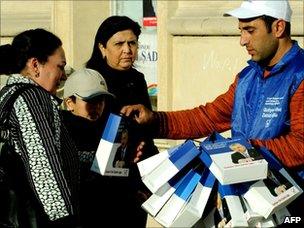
279 9
85 84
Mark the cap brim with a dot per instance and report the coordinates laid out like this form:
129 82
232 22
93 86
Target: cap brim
242 13
95 96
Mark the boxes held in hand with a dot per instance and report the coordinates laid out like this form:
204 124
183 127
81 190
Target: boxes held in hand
147 165
194 208
233 160
273 193
169 167
180 197
157 200
117 147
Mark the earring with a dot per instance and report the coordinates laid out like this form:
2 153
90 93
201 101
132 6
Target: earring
37 75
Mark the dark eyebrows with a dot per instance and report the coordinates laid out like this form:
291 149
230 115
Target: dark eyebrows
248 27
124 40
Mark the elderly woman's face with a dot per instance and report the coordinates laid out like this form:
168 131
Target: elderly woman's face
121 50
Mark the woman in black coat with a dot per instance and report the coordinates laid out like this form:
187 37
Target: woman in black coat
114 52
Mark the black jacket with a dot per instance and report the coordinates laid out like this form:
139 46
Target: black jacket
129 87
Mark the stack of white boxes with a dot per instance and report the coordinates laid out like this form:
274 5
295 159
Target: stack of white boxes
182 178
177 200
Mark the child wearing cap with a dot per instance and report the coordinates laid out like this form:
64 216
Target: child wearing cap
85 96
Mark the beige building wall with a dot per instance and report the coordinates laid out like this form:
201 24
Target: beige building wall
75 22
199 51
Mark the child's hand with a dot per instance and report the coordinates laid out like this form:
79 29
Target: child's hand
139 151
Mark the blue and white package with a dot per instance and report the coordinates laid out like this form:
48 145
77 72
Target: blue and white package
275 192
233 160
157 200
112 152
195 206
231 193
179 198
147 165
182 156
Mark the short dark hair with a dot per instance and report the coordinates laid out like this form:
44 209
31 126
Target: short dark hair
37 43
269 20
115 24
106 30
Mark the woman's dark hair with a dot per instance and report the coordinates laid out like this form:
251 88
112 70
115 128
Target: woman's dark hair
106 30
37 43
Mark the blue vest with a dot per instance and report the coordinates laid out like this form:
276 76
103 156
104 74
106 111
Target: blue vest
261 105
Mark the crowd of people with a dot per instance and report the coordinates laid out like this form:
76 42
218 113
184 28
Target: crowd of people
50 151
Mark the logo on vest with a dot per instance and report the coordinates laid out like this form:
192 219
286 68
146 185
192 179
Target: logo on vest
271 109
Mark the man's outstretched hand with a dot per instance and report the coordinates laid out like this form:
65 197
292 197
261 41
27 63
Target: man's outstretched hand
138 112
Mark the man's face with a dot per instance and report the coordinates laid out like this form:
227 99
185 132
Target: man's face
260 44
238 148
124 139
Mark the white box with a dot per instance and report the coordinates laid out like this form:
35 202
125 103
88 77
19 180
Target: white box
223 161
251 216
269 203
194 208
230 194
157 200
111 158
266 223
180 197
147 165
180 157
238 218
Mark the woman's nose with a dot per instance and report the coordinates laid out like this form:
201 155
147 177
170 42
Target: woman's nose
127 48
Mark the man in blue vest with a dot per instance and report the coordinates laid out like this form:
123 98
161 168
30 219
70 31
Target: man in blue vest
265 104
